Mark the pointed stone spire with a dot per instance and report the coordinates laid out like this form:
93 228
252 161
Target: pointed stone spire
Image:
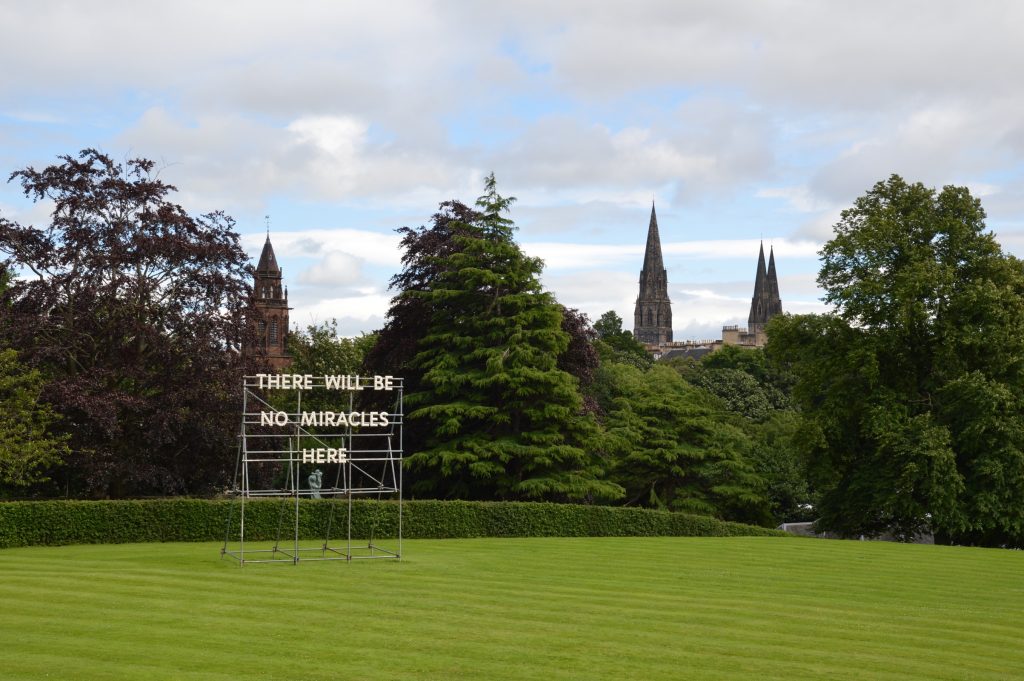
772 284
271 303
653 261
757 311
653 313
268 262
765 302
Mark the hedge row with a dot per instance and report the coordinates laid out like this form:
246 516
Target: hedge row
28 523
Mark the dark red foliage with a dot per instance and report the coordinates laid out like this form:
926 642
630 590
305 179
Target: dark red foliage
425 252
580 359
135 311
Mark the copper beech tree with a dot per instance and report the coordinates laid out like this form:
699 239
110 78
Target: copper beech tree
134 311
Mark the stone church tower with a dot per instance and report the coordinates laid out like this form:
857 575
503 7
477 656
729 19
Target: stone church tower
765 303
652 319
272 305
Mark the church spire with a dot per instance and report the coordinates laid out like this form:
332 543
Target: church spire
765 303
653 261
653 313
268 261
756 315
271 308
772 283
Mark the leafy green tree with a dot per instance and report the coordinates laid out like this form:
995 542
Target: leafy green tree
617 344
27 447
497 417
738 390
672 448
755 393
913 387
319 350
426 253
775 456
774 383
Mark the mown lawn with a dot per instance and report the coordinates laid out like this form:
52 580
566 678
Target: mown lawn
547 608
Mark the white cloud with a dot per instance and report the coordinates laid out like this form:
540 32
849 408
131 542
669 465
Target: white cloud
335 269
798 287
33 116
594 292
566 256
699 147
799 197
819 227
982 189
233 160
363 245
1012 240
700 314
938 143
843 56
742 249
336 135
355 314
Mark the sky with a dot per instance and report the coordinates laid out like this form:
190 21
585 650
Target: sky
742 121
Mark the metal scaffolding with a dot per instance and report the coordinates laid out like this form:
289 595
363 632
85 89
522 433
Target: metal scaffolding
323 456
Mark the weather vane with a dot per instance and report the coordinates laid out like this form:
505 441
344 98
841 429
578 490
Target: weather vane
267 218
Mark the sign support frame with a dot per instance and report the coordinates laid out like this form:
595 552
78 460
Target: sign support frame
365 452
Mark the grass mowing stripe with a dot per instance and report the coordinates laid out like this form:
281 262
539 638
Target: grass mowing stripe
522 608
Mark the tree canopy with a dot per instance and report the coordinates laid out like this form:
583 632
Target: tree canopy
320 350
617 344
497 417
27 447
673 449
913 387
134 311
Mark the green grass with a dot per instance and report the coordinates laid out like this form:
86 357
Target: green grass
542 608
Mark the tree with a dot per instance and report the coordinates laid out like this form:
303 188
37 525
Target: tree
27 448
135 312
426 251
913 388
672 449
755 393
618 345
738 390
580 358
319 350
777 459
773 382
480 341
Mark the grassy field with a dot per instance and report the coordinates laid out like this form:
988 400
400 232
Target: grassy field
588 608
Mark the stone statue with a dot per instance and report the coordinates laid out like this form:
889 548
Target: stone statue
315 483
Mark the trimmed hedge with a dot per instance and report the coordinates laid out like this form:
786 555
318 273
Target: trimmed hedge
28 523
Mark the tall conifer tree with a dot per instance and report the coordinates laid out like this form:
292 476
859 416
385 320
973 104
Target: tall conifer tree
495 415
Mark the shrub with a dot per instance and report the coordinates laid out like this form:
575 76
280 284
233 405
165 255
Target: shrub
28 523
